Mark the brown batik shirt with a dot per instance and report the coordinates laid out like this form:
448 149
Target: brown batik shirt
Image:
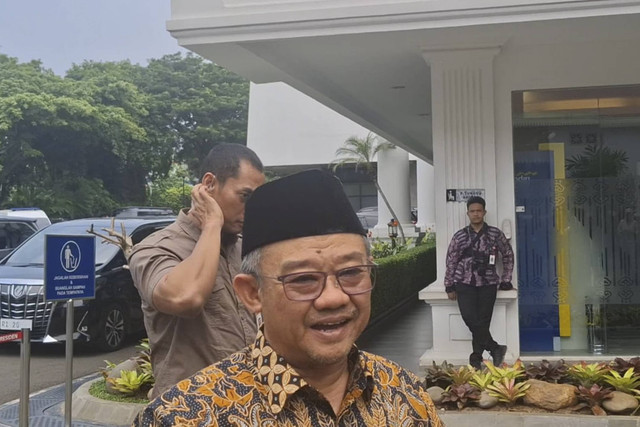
256 387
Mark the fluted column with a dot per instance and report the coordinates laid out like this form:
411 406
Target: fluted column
426 196
464 151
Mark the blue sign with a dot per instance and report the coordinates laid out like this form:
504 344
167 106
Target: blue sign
69 267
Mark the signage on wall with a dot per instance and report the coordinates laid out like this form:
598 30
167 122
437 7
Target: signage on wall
463 194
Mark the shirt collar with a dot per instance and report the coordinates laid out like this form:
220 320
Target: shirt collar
282 381
227 243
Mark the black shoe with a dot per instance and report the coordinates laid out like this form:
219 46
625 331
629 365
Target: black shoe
476 365
498 355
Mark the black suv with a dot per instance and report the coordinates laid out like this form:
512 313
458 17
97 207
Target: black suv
103 322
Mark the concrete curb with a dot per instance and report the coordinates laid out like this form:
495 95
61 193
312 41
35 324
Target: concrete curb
499 419
86 407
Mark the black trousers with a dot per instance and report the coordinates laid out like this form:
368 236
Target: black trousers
476 307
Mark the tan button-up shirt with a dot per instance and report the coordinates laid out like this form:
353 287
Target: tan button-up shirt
181 346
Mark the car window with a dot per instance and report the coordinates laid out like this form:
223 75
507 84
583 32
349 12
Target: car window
13 233
32 252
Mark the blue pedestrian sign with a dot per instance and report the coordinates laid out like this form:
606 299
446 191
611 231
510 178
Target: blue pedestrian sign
69 267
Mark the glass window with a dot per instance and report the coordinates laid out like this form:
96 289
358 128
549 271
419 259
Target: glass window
577 184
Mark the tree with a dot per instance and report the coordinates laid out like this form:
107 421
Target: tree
597 161
361 151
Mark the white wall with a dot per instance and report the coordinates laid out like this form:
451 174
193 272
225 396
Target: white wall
286 127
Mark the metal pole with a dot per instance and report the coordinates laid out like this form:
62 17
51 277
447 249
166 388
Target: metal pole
25 357
69 357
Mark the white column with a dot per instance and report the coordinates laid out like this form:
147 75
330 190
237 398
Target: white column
426 196
463 127
393 178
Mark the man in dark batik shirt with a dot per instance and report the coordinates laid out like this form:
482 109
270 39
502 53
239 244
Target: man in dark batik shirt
308 271
472 279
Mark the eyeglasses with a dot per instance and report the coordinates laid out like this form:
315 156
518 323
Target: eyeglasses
309 285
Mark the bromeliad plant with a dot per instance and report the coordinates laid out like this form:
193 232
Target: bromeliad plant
130 382
437 375
551 372
627 383
507 390
588 374
621 366
481 380
513 372
461 395
461 375
594 396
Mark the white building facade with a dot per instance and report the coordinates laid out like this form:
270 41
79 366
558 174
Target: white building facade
535 104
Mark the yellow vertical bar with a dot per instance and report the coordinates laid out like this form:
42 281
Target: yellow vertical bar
562 235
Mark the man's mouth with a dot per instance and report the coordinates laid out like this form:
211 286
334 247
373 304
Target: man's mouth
330 326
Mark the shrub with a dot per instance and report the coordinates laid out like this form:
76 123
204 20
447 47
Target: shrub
460 394
594 396
400 277
506 372
626 383
461 375
508 390
437 375
481 380
130 382
551 372
620 365
588 374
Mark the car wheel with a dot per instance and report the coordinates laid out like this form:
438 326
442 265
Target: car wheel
112 328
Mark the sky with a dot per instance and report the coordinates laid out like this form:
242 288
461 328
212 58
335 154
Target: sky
63 32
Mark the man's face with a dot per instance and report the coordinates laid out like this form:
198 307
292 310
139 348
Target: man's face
234 193
476 213
318 333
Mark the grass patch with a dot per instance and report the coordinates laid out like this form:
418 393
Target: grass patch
99 389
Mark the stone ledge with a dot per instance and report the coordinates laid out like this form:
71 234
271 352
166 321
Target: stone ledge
86 407
513 419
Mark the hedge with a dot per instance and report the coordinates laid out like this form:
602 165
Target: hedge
400 277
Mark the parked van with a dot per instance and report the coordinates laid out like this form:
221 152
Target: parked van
42 220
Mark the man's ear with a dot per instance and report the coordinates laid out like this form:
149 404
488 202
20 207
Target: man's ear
209 181
247 290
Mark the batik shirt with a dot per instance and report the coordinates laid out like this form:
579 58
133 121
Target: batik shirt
460 267
257 388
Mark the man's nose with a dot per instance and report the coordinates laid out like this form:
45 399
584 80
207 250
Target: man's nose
332 295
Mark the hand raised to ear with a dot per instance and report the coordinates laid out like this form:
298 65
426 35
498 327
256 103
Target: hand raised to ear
204 208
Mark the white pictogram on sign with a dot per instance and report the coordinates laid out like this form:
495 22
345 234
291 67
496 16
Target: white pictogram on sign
70 256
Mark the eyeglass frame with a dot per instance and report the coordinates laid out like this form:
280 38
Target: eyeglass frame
372 277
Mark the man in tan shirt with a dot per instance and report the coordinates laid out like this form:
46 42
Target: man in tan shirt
184 273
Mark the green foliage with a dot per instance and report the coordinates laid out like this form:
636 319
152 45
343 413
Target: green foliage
481 380
461 375
594 396
382 249
99 389
625 383
621 366
597 161
400 277
130 382
512 372
437 375
507 390
460 395
361 152
82 144
588 374
551 372
173 191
